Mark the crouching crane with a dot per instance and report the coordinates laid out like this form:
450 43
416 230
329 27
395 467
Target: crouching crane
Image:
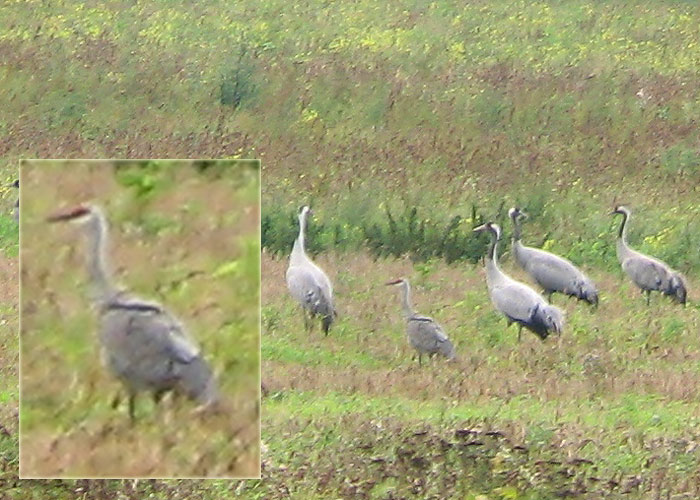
516 301
551 272
648 273
142 344
424 334
307 282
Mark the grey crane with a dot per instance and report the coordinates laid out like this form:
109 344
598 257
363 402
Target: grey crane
307 282
143 345
516 301
551 272
425 335
648 273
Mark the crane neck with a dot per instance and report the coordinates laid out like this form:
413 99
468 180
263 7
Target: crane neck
96 228
622 247
300 243
492 257
302 232
299 249
622 233
517 226
406 305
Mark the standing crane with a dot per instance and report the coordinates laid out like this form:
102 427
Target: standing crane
425 335
551 272
516 301
648 273
143 345
307 282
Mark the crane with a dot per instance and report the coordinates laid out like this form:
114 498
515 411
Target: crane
307 282
551 272
516 301
143 345
425 335
648 273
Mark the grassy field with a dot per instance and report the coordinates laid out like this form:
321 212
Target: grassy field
186 238
607 409
355 108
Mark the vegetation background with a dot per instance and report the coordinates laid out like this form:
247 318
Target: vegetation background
367 109
183 233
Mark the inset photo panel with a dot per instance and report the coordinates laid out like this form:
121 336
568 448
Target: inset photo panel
139 319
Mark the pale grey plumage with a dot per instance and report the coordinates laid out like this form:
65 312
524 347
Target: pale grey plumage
551 272
425 335
648 273
142 344
516 301
307 282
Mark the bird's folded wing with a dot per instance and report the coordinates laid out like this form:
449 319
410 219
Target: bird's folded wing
516 301
429 326
646 272
150 330
300 282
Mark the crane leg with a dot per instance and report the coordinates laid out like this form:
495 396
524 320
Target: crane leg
420 359
132 406
307 321
520 331
116 400
648 294
158 395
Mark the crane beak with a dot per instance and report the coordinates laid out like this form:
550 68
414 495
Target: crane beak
68 214
479 228
393 282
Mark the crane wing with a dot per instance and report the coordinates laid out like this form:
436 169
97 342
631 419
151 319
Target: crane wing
145 331
517 301
428 326
647 273
306 289
554 273
427 336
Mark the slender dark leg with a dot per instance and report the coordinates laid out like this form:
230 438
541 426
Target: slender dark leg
132 407
307 326
648 294
520 331
420 359
116 400
158 395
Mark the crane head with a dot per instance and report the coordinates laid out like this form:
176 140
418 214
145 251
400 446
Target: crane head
489 226
515 212
77 214
305 210
619 209
395 282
